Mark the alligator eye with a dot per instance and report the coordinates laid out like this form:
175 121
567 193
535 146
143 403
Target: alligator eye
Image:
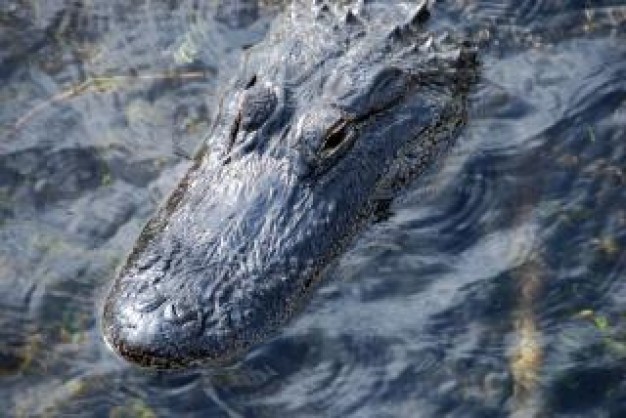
337 135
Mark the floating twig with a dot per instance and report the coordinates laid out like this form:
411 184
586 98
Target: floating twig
99 84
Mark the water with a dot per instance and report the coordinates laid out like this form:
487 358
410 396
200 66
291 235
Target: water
495 287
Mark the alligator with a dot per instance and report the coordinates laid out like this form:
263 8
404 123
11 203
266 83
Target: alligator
324 124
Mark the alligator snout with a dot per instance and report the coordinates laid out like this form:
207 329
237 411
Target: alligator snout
152 330
206 278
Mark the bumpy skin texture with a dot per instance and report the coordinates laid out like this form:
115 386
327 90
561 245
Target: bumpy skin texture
327 119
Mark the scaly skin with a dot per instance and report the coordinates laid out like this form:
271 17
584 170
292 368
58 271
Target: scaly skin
326 121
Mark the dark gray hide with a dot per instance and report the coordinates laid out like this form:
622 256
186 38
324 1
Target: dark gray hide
328 118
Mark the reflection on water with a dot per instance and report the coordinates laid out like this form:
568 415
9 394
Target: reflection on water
496 287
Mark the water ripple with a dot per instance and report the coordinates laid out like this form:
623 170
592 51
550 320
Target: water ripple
494 288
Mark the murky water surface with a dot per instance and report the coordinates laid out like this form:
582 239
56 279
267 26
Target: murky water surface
496 287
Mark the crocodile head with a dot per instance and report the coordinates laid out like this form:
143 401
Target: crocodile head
325 121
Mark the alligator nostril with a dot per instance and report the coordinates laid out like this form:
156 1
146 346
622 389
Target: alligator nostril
180 313
149 303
